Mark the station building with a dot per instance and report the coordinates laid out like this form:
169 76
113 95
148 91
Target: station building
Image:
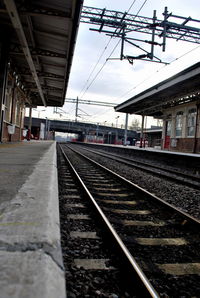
37 40
177 102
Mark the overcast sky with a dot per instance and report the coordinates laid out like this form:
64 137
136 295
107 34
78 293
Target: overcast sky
119 80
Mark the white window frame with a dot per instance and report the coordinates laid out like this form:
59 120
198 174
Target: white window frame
191 121
179 124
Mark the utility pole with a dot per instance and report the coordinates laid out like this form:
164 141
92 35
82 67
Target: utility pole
142 132
125 131
30 124
116 141
76 113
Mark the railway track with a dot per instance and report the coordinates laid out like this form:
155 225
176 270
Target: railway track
161 242
91 270
174 175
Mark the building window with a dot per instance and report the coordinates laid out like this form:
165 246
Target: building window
8 102
8 106
17 113
179 124
192 115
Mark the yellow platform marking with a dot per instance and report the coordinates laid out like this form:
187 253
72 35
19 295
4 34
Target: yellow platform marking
19 223
6 145
180 269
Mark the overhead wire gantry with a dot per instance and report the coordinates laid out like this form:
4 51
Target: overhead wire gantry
122 24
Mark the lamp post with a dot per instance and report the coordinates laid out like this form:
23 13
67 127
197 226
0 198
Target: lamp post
47 128
109 137
104 131
116 129
125 131
117 121
97 132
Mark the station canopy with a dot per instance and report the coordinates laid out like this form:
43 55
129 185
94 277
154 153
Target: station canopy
41 37
181 88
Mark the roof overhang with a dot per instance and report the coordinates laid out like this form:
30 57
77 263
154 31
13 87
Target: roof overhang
42 36
182 88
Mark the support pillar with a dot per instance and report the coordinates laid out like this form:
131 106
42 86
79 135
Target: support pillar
76 111
125 131
142 131
196 129
4 51
30 124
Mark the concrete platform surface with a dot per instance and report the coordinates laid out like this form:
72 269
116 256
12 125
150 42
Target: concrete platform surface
30 252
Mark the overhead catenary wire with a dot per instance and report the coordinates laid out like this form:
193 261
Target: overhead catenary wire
107 110
131 6
110 53
149 77
101 68
141 7
95 67
157 71
86 88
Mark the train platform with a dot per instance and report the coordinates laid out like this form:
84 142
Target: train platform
172 158
30 251
150 149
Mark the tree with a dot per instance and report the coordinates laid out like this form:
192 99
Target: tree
135 124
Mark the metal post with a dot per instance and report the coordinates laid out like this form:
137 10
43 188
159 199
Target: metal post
109 137
165 29
29 124
4 46
116 140
122 46
153 34
142 131
76 111
46 129
104 132
97 132
125 131
196 128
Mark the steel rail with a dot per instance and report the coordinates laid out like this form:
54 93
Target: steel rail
148 286
144 191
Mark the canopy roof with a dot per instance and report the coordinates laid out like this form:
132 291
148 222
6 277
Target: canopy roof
42 36
179 89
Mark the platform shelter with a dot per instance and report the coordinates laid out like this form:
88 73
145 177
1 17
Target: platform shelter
177 102
37 40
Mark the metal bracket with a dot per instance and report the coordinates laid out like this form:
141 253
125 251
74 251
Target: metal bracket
121 25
